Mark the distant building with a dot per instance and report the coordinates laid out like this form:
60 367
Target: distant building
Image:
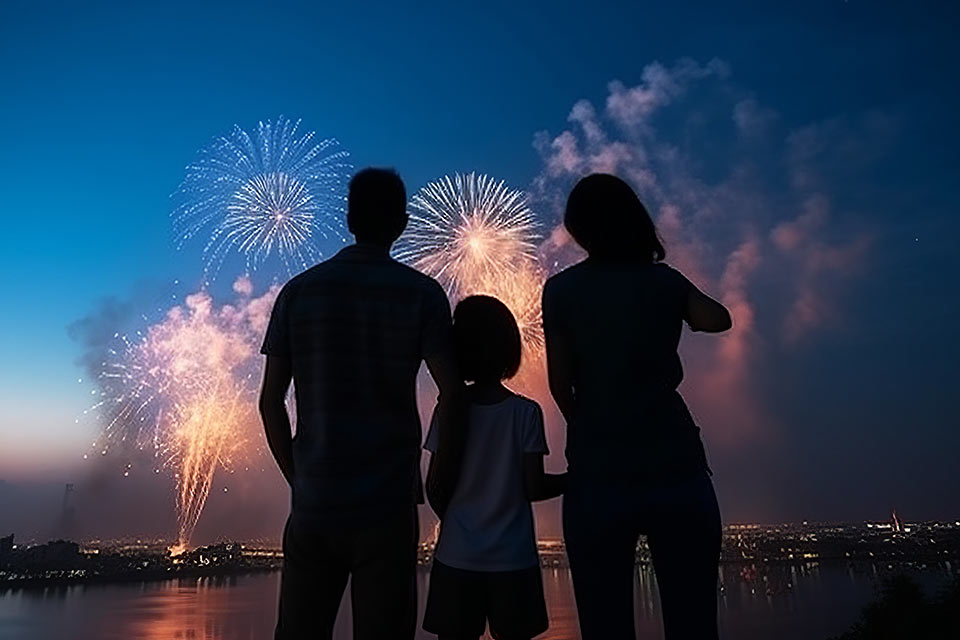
6 549
67 525
57 554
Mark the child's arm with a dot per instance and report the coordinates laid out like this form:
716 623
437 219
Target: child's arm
433 490
540 485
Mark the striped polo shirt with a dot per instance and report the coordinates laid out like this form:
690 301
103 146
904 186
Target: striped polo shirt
356 328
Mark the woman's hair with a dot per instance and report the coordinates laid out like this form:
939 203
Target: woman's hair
486 339
608 220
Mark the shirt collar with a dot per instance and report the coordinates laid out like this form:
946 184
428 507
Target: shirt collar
364 251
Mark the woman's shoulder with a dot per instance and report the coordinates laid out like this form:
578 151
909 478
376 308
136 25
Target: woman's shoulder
567 277
574 273
568 272
670 273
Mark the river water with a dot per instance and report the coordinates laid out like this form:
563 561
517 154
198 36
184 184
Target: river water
787 603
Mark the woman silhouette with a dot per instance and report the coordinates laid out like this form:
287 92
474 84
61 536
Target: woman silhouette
636 462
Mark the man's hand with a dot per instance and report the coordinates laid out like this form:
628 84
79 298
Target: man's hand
273 411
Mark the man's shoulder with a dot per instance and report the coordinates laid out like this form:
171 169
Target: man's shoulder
292 284
316 271
334 265
304 277
415 278
387 272
406 271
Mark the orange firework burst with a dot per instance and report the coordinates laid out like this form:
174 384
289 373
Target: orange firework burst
475 235
186 390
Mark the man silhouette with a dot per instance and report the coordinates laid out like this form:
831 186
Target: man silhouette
351 333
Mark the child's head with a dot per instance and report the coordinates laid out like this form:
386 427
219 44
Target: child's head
486 339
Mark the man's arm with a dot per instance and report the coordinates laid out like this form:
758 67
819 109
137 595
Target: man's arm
442 365
539 485
273 411
450 417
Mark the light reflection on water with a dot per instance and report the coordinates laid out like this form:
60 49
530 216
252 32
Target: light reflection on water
799 602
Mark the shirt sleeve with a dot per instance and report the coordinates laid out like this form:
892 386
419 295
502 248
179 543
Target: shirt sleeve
433 434
682 284
437 327
534 435
680 287
276 342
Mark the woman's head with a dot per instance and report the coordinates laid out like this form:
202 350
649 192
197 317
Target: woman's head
486 339
608 220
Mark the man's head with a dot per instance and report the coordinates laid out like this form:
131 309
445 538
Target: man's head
377 206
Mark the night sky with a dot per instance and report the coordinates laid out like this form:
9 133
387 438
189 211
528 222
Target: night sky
801 165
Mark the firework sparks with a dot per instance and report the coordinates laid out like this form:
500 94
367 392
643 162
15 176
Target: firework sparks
272 193
475 235
185 390
468 228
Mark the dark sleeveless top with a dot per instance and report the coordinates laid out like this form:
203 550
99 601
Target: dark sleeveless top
622 324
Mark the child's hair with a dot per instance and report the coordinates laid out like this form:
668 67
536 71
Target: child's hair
486 339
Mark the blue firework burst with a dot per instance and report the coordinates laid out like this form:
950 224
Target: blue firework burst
276 193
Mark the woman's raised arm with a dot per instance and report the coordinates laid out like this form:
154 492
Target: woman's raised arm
706 314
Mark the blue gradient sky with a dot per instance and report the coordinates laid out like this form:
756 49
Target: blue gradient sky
102 105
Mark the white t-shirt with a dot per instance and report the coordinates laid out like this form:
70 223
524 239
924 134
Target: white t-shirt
489 522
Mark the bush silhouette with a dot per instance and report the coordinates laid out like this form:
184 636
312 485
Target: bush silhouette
902 611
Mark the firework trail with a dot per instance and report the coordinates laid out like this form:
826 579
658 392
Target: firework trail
475 235
185 390
269 193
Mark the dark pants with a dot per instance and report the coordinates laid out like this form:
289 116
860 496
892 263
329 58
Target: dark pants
379 559
601 524
461 603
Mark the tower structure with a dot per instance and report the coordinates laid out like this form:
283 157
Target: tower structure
67 515
896 522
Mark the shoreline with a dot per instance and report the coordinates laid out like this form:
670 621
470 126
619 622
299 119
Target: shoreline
38 584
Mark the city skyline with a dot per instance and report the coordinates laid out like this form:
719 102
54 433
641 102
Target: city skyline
748 544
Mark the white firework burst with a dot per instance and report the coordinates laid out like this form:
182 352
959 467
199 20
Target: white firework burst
273 193
476 235
468 229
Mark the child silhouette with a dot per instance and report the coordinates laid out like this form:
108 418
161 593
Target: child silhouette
486 568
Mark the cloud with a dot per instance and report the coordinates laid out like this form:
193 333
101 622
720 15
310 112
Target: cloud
751 118
821 154
817 266
630 107
243 285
